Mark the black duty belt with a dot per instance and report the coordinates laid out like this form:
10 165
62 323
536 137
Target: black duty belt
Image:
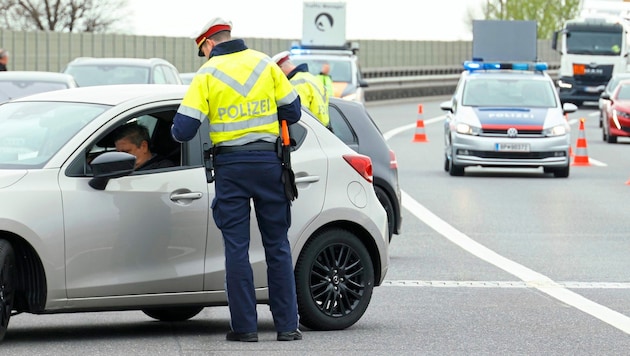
253 146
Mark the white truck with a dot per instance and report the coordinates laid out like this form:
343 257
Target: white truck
592 47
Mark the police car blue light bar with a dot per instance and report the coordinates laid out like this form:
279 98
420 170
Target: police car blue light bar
472 66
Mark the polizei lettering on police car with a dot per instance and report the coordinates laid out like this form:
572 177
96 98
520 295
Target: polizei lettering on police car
250 108
515 115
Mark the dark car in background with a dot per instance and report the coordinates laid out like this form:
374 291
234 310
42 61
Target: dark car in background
89 71
352 123
16 84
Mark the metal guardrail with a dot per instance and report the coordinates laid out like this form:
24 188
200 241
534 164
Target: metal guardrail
400 83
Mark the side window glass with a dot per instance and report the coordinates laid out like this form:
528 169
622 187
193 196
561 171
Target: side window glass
158 75
163 152
340 126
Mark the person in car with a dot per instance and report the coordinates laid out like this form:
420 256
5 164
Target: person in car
244 95
133 138
311 90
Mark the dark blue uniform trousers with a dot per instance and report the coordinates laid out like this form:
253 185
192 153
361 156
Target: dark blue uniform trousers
241 177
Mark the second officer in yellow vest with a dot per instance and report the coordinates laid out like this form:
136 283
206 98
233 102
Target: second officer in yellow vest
244 94
312 92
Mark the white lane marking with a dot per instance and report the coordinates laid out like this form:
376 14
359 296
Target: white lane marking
531 278
501 284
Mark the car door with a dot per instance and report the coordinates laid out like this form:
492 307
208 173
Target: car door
144 233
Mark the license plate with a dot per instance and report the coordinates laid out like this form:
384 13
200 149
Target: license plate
592 89
512 147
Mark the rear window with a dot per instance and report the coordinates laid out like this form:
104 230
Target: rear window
90 75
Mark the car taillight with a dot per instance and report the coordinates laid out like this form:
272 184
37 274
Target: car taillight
362 164
393 162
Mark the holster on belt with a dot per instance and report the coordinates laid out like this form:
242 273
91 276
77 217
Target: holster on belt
288 177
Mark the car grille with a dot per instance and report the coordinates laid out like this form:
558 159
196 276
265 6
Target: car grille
515 155
503 133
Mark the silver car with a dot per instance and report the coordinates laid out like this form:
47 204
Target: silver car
80 230
16 84
506 115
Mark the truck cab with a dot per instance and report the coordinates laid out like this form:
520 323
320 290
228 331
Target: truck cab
592 49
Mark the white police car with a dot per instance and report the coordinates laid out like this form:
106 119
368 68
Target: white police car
506 115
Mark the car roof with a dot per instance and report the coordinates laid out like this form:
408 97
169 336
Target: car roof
37 75
118 61
111 94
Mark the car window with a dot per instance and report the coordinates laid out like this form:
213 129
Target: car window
340 70
508 92
172 77
32 132
89 75
18 88
158 75
158 123
340 126
624 92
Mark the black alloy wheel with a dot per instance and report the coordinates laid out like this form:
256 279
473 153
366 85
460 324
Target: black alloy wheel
334 280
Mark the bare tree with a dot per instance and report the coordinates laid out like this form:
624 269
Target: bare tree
549 14
62 15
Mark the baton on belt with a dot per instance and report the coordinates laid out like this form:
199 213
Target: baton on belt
288 177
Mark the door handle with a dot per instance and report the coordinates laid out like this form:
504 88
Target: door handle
186 196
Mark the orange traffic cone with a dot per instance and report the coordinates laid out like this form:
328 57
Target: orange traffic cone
420 135
581 157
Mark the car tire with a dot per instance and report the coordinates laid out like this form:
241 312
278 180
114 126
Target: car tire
446 163
389 209
561 172
172 314
611 139
8 280
454 169
334 278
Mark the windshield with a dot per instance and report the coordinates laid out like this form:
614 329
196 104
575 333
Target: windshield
11 89
340 70
594 42
89 75
32 132
509 93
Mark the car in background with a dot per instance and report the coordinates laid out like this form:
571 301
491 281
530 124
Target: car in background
352 123
345 71
506 115
187 77
616 121
89 71
16 84
105 237
608 90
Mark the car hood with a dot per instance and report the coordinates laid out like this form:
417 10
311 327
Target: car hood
490 117
10 177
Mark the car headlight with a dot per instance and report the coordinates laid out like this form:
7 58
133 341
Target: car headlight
466 129
558 130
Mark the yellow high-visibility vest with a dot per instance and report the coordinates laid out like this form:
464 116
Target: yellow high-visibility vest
239 93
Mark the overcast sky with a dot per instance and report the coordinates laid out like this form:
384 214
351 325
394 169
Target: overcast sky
365 19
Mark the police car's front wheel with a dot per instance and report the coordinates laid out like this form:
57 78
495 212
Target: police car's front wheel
8 282
334 278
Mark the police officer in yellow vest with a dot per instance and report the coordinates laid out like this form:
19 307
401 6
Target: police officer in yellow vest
311 90
244 94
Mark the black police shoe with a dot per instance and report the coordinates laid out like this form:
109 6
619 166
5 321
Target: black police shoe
246 337
290 335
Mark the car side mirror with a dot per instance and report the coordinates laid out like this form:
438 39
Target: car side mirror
363 83
111 165
447 106
605 96
568 108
